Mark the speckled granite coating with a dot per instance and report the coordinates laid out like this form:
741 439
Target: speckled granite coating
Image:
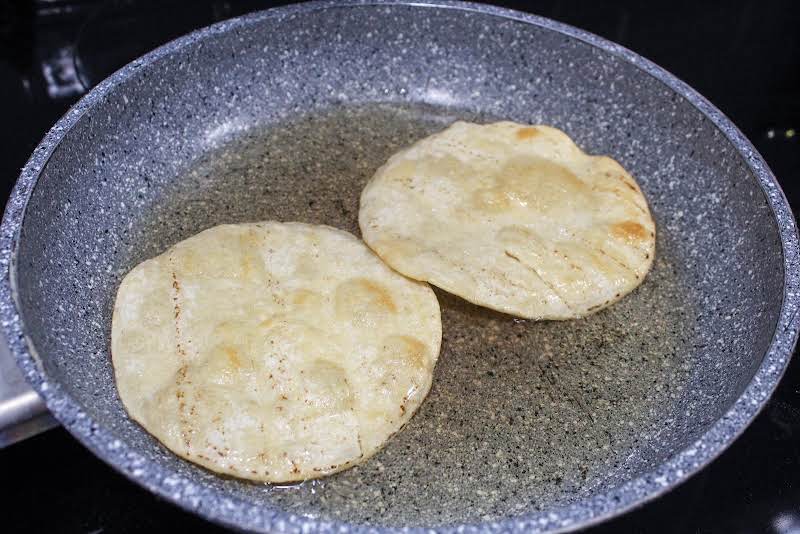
529 426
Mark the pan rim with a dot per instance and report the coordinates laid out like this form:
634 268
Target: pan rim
237 513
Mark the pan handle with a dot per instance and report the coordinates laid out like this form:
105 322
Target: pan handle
22 411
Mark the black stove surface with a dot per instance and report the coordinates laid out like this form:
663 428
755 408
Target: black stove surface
743 55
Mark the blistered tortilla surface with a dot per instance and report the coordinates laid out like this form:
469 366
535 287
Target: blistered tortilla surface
512 217
273 351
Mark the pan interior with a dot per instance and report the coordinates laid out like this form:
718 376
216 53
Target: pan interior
522 416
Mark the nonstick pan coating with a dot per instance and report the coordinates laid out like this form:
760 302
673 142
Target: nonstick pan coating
284 115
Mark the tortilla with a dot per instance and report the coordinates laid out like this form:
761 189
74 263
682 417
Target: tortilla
512 217
273 352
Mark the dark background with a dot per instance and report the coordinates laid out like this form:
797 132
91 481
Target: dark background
742 55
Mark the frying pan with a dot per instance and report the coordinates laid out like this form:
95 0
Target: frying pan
284 115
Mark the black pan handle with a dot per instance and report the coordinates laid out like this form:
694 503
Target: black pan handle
22 411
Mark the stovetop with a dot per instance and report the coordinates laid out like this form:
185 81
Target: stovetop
742 55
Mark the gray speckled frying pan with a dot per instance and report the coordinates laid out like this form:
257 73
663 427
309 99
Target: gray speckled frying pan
284 115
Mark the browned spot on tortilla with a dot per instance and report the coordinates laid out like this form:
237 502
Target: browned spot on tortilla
304 296
360 296
180 377
405 400
395 248
233 357
175 304
251 262
380 294
625 180
410 349
629 230
266 323
527 132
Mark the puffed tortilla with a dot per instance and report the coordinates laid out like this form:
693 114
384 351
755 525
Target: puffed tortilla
273 351
513 217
